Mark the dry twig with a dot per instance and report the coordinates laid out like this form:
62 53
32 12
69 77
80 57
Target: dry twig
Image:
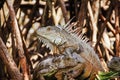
116 28
64 10
19 45
12 69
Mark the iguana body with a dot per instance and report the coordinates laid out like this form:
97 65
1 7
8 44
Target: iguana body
74 54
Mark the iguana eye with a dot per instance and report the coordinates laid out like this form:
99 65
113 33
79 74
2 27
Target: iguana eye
115 62
73 27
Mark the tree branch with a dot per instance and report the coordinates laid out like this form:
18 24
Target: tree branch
19 45
12 69
62 4
117 27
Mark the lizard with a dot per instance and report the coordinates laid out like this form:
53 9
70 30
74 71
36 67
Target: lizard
114 70
114 64
74 50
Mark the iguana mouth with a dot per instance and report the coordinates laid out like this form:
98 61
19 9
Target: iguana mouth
45 49
49 47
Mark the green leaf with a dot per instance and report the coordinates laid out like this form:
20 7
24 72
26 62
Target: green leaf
107 75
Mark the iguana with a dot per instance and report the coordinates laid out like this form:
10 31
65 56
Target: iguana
76 58
114 70
114 64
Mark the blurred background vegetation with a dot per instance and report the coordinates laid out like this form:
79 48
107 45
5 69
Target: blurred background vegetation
99 20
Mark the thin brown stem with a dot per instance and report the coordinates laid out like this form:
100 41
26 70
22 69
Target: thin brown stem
12 69
19 45
62 4
108 24
116 27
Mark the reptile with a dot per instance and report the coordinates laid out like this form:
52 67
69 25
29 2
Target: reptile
73 57
114 70
114 64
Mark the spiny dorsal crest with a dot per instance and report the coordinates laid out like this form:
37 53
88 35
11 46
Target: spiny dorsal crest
76 31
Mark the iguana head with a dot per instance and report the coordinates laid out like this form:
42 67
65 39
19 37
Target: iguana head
53 34
114 64
53 37
60 37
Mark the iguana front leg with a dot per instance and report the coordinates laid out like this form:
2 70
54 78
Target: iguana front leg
86 71
71 73
82 71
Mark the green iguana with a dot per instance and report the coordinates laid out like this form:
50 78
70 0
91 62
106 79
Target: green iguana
114 70
74 57
114 64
